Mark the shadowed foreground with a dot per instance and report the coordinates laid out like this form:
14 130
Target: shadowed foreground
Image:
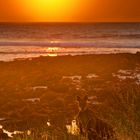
38 96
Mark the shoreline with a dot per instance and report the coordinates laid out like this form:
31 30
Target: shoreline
6 56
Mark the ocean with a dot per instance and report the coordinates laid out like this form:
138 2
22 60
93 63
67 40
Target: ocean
25 40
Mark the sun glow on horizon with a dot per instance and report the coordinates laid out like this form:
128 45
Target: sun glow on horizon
50 9
69 11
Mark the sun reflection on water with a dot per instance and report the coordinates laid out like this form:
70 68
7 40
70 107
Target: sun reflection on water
52 49
52 55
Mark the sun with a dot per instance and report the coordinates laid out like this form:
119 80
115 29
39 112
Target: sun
51 9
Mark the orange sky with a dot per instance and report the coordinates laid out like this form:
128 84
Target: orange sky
70 10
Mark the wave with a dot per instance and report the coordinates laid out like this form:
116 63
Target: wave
77 43
12 53
65 51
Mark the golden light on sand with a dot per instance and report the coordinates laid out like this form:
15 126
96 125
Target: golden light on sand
52 55
50 9
73 128
1 126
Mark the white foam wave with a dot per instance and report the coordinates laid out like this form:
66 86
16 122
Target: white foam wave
11 52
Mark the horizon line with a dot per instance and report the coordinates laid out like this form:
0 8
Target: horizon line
69 21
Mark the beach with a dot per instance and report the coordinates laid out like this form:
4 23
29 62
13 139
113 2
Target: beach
37 90
45 66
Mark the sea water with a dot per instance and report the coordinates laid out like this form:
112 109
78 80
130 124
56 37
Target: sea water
25 40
